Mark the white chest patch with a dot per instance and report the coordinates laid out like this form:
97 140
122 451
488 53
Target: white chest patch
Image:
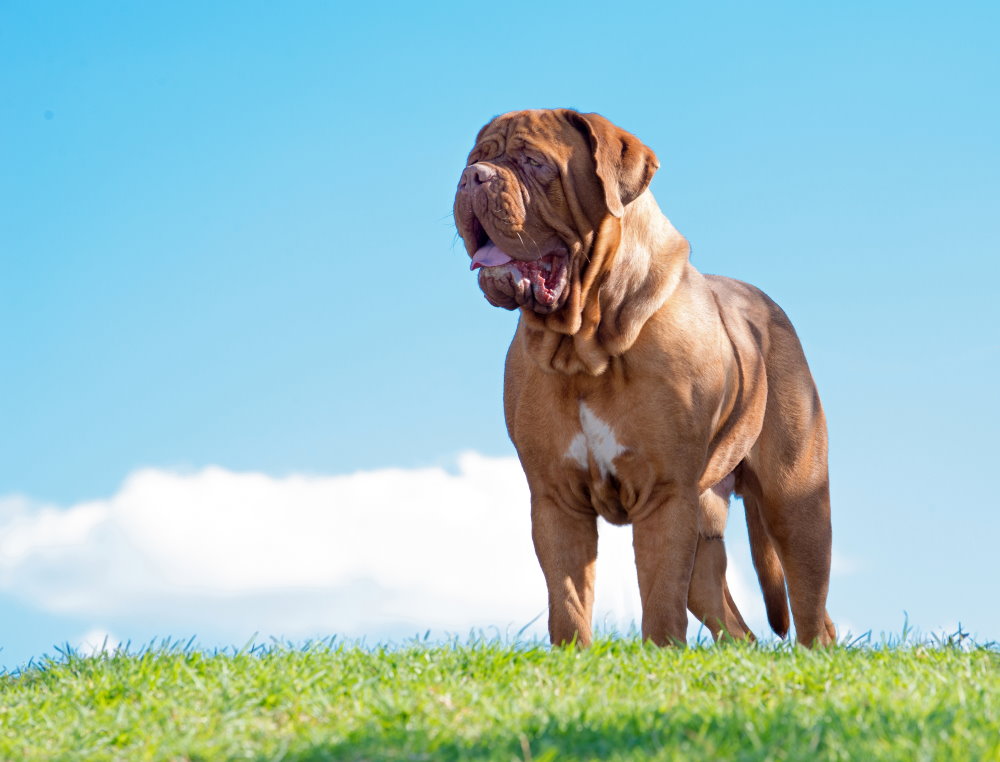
597 441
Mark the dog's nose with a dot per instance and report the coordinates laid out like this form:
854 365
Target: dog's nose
477 174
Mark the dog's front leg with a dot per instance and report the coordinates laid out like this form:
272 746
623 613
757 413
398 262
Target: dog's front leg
665 539
566 546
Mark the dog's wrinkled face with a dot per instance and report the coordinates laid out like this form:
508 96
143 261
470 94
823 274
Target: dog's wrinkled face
537 188
511 211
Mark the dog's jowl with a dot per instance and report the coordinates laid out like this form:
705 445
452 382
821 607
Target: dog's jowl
638 389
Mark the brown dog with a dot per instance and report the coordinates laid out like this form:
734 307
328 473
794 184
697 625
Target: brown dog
640 390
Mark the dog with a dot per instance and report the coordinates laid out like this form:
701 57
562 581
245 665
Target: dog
639 390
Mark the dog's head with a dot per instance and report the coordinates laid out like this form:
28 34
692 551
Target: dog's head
538 189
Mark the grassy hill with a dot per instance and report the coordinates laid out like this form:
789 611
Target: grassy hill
619 700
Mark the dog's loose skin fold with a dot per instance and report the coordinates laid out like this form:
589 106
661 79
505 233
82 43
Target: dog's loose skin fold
639 390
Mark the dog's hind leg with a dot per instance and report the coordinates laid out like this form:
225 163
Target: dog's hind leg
735 612
768 567
785 478
798 521
709 598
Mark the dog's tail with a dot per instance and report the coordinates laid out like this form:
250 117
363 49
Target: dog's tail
768 568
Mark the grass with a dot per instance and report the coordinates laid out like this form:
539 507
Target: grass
619 700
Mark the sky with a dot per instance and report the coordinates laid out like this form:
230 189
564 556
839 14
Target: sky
248 387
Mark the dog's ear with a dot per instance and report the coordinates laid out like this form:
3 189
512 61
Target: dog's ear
625 165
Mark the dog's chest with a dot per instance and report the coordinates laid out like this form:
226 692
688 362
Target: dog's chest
596 445
602 454
605 444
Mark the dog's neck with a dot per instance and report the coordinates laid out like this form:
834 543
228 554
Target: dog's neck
639 261
647 268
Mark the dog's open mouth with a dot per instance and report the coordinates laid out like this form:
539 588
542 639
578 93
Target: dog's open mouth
507 282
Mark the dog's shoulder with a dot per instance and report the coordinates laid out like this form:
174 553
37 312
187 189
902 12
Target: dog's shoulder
737 299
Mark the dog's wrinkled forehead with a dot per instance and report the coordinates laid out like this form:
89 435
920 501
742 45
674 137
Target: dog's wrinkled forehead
547 131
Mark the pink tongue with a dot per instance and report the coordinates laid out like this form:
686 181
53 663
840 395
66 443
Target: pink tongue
489 256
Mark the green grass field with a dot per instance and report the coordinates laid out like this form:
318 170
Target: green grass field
619 700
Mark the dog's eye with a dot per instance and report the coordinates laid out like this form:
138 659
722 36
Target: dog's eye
532 162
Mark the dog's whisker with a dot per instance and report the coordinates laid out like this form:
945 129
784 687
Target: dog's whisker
538 249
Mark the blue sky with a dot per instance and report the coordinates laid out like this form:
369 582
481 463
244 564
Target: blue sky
225 241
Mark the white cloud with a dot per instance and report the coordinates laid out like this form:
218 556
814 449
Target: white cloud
385 553
97 641
842 566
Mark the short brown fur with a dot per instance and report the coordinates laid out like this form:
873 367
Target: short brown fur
701 380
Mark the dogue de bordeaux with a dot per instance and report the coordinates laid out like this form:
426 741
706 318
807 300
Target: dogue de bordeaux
639 390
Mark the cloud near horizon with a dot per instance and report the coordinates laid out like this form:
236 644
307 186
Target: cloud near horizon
382 554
